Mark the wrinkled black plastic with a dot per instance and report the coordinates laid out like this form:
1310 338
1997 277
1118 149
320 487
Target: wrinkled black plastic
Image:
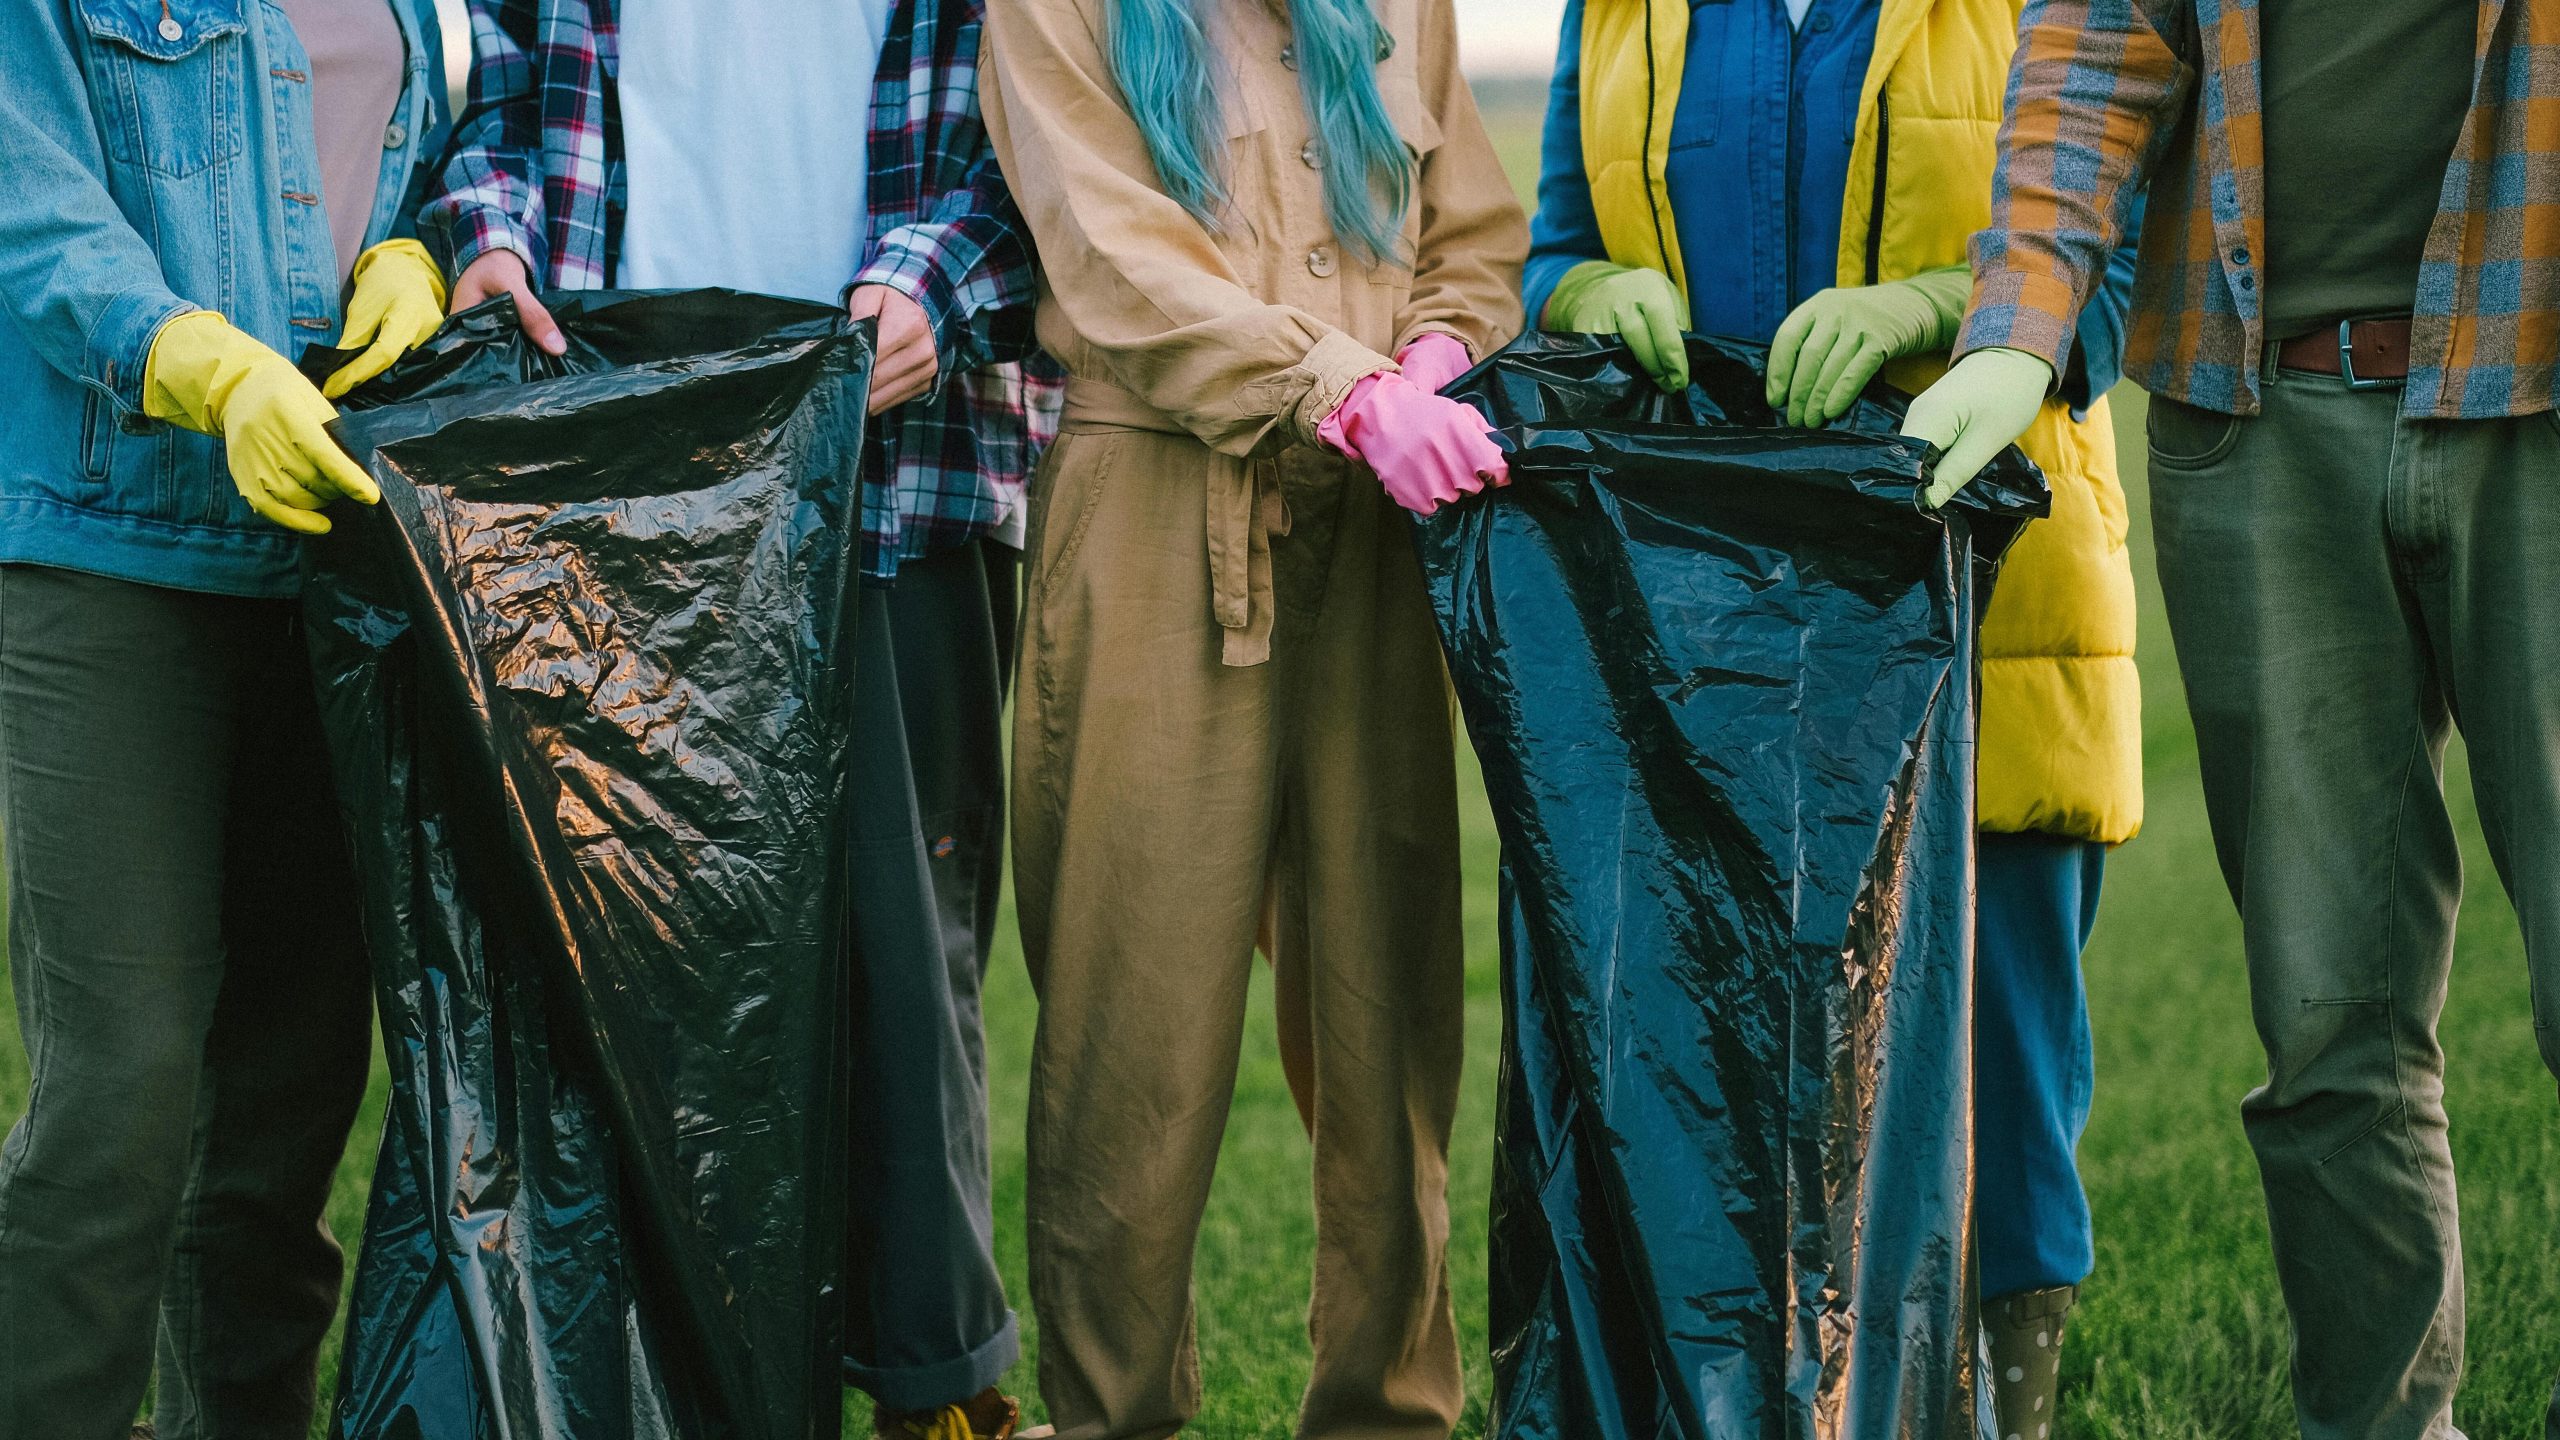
586 674
1720 675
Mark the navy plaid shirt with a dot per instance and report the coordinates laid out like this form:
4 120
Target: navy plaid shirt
536 167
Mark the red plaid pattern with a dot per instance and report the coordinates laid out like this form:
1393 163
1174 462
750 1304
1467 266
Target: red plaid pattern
536 167
2108 95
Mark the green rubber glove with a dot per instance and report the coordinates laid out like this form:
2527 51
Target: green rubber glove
207 375
1975 411
1640 306
396 306
1833 344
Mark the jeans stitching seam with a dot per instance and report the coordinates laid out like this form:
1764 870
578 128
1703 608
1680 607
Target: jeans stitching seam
2399 1082
2390 929
2398 1108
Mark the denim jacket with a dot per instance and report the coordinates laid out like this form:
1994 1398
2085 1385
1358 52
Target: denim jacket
156 157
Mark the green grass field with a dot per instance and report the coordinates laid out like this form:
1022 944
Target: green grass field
2182 1336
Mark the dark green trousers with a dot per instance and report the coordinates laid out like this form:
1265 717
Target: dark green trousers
193 995
2345 586
927 1324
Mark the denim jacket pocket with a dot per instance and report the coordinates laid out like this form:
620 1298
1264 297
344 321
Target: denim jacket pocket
97 436
167 74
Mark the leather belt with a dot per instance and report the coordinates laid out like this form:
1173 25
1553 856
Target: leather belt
2365 353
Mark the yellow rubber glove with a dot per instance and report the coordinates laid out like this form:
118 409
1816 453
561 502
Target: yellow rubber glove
210 377
1640 306
1830 346
1974 412
398 302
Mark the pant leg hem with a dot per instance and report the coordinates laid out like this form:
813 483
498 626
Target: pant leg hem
944 1382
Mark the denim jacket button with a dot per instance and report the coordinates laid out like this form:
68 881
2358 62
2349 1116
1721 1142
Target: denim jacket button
170 29
396 136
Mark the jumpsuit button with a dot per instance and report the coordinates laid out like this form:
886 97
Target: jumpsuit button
1320 262
395 136
1289 56
170 29
1314 157
1820 23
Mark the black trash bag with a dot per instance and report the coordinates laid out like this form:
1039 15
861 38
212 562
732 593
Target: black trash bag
1720 676
586 674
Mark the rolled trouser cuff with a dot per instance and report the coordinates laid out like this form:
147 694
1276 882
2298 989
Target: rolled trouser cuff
942 1382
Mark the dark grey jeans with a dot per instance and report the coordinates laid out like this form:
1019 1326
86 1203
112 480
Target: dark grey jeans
2344 587
928 1324
193 994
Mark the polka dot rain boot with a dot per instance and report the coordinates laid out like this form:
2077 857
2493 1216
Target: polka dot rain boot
2025 1331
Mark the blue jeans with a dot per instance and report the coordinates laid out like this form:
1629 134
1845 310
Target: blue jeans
2038 897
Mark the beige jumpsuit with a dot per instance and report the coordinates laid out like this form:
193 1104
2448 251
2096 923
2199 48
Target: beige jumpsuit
1228 674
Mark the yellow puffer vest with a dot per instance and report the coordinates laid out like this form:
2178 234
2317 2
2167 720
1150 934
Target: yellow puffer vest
2061 701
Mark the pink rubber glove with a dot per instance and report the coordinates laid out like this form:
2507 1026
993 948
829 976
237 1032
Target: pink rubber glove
1434 358
1427 451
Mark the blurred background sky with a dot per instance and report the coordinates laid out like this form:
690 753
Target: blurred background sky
1497 38
1508 37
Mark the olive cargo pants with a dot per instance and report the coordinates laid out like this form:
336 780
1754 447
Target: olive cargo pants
1155 786
2345 586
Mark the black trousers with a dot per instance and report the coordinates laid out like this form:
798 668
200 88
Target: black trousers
192 989
927 1322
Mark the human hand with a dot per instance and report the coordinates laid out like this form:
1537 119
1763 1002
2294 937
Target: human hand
1426 450
1639 306
1975 411
1830 346
397 303
212 378
502 272
903 358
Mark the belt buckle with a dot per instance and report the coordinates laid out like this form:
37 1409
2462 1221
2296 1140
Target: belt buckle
2347 361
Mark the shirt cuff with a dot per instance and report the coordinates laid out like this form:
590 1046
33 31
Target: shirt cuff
119 350
2014 310
498 233
913 272
1333 365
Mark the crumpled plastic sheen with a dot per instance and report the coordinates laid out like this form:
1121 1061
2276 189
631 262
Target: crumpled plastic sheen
1721 677
585 674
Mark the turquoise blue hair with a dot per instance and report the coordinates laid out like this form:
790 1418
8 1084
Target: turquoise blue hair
1161 56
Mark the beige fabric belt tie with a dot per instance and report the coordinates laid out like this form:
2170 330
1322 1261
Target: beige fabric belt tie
1245 510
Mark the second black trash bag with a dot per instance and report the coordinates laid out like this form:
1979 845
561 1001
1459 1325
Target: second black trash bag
586 674
1720 676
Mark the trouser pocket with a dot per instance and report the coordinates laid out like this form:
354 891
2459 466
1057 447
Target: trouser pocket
2188 437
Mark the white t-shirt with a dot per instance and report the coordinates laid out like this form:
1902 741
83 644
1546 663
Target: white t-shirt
745 142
